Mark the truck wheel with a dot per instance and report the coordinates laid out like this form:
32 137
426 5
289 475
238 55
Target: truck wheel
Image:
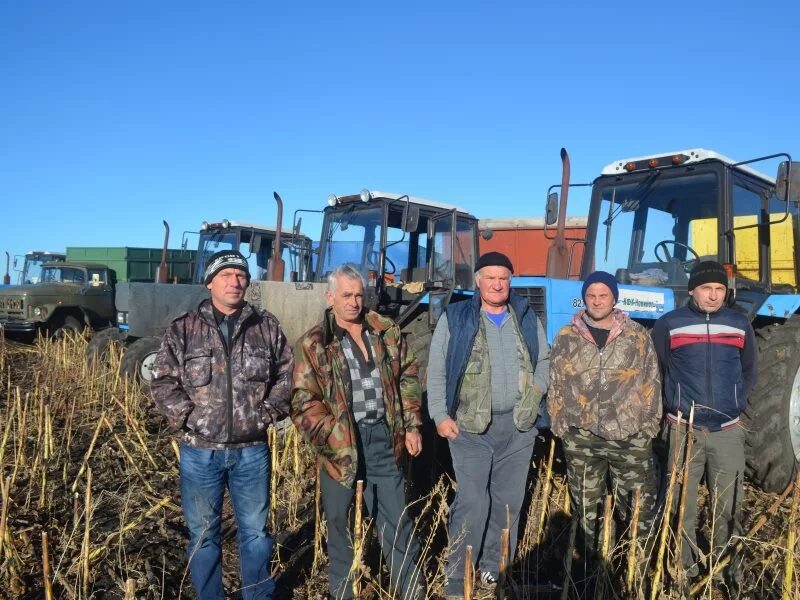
772 417
67 325
100 345
137 362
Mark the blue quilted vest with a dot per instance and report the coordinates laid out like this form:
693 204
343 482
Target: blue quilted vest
463 319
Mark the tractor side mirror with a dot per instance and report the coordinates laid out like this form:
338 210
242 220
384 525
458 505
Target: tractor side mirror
551 212
411 221
788 174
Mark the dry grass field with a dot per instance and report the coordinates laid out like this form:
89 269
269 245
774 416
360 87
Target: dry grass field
91 507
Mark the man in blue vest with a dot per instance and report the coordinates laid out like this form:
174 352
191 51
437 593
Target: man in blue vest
487 373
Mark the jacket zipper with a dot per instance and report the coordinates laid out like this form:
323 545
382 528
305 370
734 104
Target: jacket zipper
229 415
708 359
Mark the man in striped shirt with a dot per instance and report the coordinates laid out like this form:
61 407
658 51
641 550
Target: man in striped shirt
707 353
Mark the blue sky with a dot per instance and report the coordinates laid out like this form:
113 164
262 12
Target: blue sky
114 116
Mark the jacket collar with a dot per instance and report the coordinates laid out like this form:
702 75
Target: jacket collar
206 311
375 324
619 322
515 302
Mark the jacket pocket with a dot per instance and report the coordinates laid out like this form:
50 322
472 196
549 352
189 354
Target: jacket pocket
257 365
197 368
474 397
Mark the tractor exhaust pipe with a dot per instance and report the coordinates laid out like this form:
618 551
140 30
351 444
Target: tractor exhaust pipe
161 275
558 253
7 276
276 266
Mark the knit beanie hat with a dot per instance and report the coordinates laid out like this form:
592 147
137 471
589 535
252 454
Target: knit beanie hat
601 277
493 259
707 271
225 259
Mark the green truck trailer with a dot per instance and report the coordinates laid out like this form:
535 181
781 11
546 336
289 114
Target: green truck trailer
81 291
137 264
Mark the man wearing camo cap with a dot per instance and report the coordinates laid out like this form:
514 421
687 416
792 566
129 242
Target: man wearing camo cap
222 375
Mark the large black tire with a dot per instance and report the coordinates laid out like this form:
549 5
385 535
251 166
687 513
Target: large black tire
137 362
418 336
100 345
65 325
770 416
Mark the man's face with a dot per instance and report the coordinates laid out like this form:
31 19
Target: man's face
494 284
347 300
228 287
599 301
709 296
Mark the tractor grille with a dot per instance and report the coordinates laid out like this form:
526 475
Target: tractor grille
536 297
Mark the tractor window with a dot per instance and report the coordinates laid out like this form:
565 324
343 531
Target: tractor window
652 228
465 253
782 247
405 252
747 211
353 236
257 262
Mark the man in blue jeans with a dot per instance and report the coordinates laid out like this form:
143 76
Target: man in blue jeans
223 374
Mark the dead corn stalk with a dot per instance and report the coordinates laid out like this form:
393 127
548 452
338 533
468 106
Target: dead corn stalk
358 538
546 492
791 542
662 543
468 573
687 460
631 571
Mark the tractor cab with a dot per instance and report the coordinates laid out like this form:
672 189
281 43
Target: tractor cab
653 218
255 242
409 249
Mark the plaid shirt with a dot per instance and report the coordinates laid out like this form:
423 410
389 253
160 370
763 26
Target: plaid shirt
365 378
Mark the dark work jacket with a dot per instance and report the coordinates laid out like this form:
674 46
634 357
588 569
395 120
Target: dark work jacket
708 359
463 319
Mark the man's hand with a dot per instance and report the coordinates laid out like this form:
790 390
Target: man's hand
413 443
448 429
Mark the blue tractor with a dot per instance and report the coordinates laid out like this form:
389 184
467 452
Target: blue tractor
650 220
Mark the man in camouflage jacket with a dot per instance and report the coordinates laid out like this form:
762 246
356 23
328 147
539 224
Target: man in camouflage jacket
356 400
221 376
605 405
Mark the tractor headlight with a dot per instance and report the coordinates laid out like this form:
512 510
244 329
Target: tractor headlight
122 317
365 194
332 199
37 311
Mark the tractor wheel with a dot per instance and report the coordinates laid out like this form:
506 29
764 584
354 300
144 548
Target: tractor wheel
101 344
772 417
418 335
65 326
137 362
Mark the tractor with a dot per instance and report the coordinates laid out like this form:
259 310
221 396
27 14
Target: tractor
650 220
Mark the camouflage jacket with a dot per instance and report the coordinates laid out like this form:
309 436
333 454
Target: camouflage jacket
614 393
221 399
323 392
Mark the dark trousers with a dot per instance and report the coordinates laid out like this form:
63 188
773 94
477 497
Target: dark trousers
720 456
384 494
491 471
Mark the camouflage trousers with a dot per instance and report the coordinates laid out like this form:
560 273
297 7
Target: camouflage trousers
597 467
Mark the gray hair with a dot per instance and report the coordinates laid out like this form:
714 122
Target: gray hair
348 271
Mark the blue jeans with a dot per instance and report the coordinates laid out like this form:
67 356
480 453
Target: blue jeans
204 476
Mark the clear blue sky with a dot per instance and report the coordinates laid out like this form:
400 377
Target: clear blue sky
116 115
